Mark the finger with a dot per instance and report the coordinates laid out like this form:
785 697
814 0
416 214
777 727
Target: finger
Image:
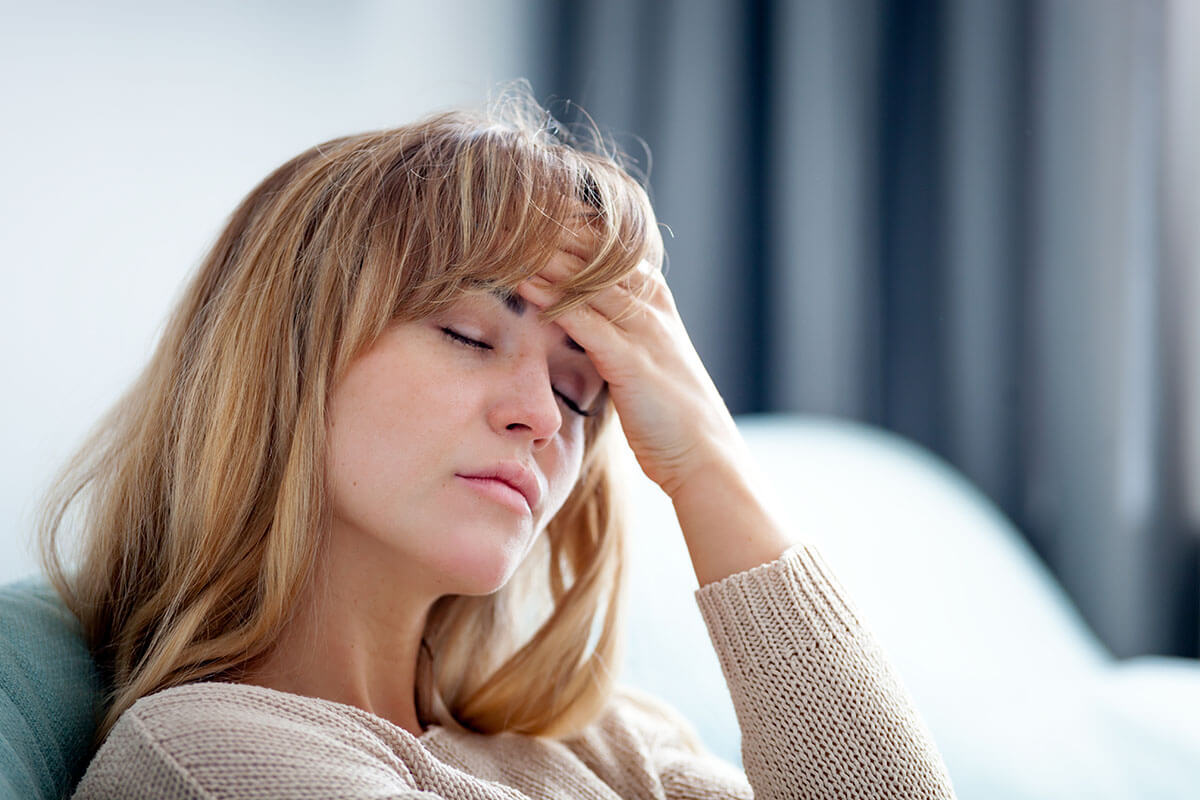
646 282
616 303
645 279
580 240
537 291
604 342
563 266
645 286
641 273
655 291
611 350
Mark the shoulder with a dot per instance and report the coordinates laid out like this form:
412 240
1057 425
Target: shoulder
231 740
641 740
634 722
218 707
651 719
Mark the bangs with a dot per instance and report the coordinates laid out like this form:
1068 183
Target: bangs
487 208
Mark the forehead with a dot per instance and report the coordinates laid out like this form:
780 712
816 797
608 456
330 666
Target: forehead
517 306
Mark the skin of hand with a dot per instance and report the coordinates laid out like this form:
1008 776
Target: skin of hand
675 421
672 415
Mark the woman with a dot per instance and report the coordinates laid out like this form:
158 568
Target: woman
352 533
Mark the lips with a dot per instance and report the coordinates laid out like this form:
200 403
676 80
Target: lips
514 475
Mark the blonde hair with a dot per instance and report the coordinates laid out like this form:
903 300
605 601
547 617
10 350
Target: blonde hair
198 520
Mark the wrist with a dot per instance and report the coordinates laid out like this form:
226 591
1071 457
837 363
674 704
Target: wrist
721 454
726 521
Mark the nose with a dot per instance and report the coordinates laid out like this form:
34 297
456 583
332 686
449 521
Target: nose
526 405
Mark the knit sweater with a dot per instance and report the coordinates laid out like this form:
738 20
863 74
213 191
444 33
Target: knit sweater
822 715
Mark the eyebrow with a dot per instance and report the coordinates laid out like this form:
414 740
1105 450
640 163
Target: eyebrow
517 305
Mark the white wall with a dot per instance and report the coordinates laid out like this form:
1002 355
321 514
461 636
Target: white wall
131 130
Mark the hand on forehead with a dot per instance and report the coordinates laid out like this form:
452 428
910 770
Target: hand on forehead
580 236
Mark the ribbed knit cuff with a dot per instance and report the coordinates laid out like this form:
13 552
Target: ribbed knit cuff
742 607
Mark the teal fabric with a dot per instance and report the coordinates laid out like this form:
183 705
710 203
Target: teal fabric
49 691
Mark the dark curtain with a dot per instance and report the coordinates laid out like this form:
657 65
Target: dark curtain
972 223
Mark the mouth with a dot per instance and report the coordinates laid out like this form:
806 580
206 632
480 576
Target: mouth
499 491
508 482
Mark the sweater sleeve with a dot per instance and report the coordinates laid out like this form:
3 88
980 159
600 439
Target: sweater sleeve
822 712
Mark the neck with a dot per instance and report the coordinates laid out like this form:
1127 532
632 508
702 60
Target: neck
355 639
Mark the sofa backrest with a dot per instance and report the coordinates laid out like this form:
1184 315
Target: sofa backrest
49 693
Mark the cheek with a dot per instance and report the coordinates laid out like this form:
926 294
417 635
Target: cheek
382 443
361 464
361 432
563 473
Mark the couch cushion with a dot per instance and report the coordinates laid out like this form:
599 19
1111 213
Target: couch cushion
49 690
935 566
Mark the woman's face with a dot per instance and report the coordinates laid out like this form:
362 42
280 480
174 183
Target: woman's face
452 442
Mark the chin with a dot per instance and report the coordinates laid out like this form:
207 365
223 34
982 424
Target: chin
481 580
480 568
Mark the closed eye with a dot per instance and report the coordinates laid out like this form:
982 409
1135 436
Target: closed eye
458 337
569 403
478 345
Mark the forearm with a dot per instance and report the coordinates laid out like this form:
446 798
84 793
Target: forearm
822 711
726 518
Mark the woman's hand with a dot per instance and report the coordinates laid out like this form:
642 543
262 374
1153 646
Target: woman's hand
672 415
677 425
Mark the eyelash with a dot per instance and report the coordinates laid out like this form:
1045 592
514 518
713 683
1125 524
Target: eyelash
478 345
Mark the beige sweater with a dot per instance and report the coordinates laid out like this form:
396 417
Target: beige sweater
821 712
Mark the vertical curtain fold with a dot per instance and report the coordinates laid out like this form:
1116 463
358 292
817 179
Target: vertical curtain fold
984 241
824 308
1179 294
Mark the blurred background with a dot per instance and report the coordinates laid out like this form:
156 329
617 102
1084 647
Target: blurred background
972 222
